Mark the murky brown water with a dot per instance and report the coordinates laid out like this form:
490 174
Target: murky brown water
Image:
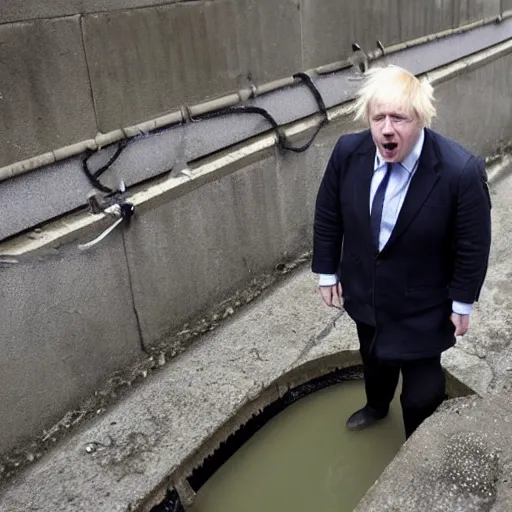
305 460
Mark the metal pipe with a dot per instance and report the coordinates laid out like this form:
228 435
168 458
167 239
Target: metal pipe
76 225
101 140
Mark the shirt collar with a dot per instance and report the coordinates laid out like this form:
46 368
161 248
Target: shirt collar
409 162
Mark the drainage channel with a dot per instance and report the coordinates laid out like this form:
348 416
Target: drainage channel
296 454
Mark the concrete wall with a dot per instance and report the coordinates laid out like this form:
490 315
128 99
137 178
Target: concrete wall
185 253
68 318
188 253
476 108
146 61
83 67
45 96
56 189
67 321
21 10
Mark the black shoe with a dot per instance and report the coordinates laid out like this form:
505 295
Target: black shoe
364 418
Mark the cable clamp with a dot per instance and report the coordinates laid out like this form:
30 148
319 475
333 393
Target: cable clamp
116 207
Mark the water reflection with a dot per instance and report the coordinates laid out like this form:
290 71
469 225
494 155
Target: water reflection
304 460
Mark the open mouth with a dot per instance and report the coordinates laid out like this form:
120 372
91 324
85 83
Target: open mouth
390 146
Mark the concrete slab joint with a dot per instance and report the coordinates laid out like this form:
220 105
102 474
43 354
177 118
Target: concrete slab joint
44 77
457 460
255 204
92 74
152 155
80 331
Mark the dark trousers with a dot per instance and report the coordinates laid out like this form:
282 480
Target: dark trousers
423 383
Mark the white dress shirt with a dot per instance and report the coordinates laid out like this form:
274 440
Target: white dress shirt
399 180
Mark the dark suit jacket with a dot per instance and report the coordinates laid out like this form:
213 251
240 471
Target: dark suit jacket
438 251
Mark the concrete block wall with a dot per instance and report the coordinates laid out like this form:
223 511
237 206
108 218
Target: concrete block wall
45 96
476 108
68 319
71 68
186 253
146 61
189 253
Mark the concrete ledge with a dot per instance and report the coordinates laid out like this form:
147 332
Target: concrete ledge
67 321
167 427
156 154
459 460
148 437
65 186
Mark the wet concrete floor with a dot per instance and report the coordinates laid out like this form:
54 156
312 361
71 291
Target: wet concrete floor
305 460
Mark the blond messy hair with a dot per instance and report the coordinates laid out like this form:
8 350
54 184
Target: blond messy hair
396 86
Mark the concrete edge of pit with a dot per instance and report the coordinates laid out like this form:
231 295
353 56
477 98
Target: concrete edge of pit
179 488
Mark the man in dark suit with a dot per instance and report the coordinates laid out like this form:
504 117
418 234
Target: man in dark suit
402 234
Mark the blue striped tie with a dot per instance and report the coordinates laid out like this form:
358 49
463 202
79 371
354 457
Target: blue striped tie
378 205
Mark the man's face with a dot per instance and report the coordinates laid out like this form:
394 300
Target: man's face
395 130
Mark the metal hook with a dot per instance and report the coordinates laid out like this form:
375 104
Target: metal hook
358 59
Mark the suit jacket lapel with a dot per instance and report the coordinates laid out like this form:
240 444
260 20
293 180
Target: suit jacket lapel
364 162
421 185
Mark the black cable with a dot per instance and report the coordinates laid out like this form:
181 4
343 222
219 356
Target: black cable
321 107
314 90
90 176
282 141
244 110
114 157
93 177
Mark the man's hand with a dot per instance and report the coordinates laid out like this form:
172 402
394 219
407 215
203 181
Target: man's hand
331 295
461 323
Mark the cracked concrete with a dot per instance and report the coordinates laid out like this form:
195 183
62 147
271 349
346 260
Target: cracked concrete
460 459
116 461
482 358
125 459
